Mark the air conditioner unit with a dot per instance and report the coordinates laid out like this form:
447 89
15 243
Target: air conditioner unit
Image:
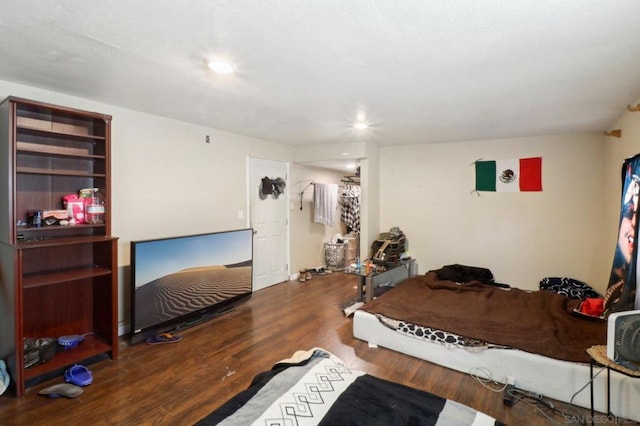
623 338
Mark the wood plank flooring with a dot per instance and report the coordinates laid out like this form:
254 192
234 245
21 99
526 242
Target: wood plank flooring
178 384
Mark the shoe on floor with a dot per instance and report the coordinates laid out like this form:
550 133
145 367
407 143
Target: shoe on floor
324 271
4 377
308 275
163 338
302 276
66 390
78 375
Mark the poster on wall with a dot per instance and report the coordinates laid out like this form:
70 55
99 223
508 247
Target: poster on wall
621 291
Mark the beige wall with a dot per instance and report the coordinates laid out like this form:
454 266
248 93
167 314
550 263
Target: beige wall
307 238
426 190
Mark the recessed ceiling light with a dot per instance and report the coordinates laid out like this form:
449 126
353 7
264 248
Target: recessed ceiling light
221 67
361 120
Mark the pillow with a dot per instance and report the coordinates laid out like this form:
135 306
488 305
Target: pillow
570 287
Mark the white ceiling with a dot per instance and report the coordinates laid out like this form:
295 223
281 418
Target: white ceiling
421 70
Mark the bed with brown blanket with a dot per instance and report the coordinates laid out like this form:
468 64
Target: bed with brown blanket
490 330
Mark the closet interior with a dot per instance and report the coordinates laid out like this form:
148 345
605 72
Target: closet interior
350 216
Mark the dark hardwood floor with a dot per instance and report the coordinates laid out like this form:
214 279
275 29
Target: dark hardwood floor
178 384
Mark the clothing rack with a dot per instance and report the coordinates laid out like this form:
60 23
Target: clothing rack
348 181
350 214
355 180
348 188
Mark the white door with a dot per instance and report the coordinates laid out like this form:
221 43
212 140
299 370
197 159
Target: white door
268 218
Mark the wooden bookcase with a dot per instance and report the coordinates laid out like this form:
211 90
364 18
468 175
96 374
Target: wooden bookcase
58 279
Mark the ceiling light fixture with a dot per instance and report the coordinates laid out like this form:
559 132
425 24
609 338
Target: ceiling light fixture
221 67
361 121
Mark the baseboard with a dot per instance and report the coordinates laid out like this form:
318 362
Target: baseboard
123 328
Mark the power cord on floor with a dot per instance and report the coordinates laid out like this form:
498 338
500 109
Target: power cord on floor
479 373
535 400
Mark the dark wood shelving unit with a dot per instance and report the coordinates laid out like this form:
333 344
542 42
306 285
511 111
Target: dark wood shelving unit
90 347
61 279
50 278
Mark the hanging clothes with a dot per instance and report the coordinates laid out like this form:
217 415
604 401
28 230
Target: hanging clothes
351 208
351 213
325 203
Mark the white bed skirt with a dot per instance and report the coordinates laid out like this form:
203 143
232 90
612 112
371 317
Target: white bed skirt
550 377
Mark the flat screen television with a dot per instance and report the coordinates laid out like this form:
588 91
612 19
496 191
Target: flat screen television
181 281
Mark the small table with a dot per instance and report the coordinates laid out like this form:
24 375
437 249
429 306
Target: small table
394 273
599 356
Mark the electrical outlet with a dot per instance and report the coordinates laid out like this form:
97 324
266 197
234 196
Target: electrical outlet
511 380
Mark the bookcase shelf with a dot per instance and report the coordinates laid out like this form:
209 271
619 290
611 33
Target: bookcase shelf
56 280
91 346
50 172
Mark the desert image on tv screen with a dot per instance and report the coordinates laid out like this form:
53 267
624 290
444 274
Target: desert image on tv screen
178 276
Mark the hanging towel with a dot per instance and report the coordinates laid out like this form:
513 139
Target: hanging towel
325 202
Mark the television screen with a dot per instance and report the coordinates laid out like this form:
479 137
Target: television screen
180 281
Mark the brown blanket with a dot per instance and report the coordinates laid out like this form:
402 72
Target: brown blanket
539 322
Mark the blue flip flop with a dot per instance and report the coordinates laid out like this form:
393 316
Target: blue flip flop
78 375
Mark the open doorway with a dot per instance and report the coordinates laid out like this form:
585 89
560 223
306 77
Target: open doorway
308 236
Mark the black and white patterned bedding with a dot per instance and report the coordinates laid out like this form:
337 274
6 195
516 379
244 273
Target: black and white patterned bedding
317 388
570 287
436 336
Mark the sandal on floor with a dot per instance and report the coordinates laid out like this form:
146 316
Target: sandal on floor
61 389
78 375
324 271
163 338
4 377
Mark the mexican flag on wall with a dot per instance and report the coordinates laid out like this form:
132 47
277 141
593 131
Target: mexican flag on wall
515 175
